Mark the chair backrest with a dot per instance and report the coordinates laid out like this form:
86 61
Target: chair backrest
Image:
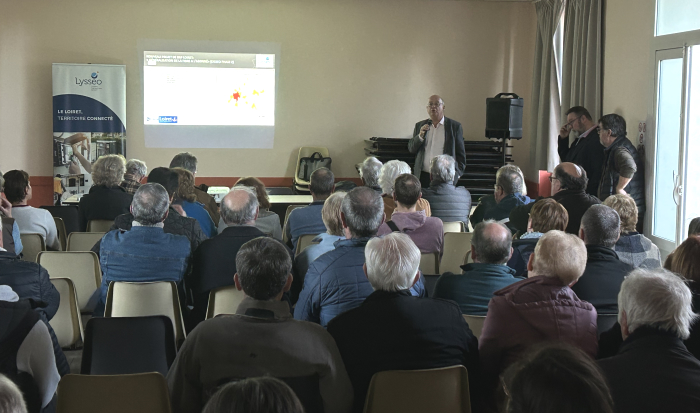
606 322
304 152
476 323
61 229
99 225
455 226
67 323
32 245
303 242
286 218
280 190
69 214
444 390
126 299
128 345
83 241
430 263
133 393
82 267
455 251
224 300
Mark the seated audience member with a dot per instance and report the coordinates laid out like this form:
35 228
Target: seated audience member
473 289
539 309
13 241
335 281
694 227
188 161
268 222
653 371
261 339
18 192
426 232
30 281
186 198
600 282
569 182
369 172
145 253
11 397
546 215
489 202
447 202
135 172
255 395
27 354
633 248
392 330
308 220
556 378
214 262
387 176
323 242
106 199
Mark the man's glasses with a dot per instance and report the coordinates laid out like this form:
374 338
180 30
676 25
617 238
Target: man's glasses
434 105
552 178
572 121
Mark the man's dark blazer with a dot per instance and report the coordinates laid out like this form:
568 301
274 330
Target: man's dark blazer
576 203
454 146
588 153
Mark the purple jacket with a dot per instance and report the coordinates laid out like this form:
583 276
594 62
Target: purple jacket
426 232
531 311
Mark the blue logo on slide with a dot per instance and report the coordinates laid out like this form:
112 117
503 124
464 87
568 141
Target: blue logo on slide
94 75
167 119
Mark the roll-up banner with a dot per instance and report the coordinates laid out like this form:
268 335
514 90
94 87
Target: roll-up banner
89 120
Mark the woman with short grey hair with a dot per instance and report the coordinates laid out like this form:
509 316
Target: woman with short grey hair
106 199
387 175
135 171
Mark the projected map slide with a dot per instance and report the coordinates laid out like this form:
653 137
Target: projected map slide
209 89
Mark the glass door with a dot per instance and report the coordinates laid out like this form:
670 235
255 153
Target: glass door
690 205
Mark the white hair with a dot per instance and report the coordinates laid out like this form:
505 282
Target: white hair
136 167
390 171
561 255
657 298
392 262
442 168
369 171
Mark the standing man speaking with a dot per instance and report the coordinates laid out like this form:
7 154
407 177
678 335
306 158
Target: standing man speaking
436 136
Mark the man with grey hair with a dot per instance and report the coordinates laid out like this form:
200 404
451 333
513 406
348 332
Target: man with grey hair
214 261
392 330
509 193
600 282
309 220
447 202
187 160
335 281
473 289
369 172
145 253
539 309
653 370
135 171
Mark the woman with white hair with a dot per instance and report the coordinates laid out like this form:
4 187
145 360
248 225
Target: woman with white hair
136 170
387 175
106 199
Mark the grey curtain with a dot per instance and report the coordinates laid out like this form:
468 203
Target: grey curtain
582 82
545 108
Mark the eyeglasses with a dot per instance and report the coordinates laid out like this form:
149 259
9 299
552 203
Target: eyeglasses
552 177
572 121
433 105
599 129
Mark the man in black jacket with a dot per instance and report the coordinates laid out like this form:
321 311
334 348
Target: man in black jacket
568 182
586 150
604 273
447 202
392 330
653 371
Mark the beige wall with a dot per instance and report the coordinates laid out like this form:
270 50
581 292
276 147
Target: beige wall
628 76
349 70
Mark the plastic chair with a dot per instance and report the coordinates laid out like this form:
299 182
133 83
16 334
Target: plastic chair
99 225
133 393
303 242
476 323
606 322
69 215
66 322
126 299
430 263
83 241
444 390
82 267
61 229
224 300
32 245
456 226
455 251
286 218
128 345
304 152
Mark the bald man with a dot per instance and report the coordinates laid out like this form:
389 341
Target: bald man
569 182
436 136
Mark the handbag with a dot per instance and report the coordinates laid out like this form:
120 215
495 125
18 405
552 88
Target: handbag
308 165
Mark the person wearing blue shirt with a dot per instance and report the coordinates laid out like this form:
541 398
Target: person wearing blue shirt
308 220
